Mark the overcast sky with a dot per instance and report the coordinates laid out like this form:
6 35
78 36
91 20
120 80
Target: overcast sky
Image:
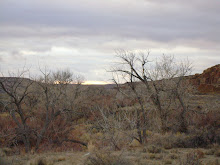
83 35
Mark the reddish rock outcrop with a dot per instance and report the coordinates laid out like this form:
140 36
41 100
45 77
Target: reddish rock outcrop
208 81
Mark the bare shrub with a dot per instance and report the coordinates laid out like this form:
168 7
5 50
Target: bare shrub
112 128
217 153
174 156
214 162
3 162
168 161
180 140
207 126
200 153
168 140
210 151
45 160
39 110
190 159
106 158
154 149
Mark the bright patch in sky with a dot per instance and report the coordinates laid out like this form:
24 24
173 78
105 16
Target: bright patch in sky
95 83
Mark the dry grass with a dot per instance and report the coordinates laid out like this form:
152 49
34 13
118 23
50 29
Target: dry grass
191 158
106 158
217 153
137 156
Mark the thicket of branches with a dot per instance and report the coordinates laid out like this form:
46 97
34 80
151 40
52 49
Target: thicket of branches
149 95
35 105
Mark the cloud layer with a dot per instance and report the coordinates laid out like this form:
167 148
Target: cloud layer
83 35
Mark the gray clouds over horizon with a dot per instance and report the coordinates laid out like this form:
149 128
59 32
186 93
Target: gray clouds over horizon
83 35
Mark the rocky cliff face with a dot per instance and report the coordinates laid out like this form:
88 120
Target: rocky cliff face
208 81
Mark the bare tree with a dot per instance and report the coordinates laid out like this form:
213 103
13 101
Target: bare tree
156 78
172 75
57 99
17 89
35 105
140 111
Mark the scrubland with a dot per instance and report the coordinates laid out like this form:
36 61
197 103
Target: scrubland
155 117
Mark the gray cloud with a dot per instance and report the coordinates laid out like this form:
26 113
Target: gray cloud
83 34
155 20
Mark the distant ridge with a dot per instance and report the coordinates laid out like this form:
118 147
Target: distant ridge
208 81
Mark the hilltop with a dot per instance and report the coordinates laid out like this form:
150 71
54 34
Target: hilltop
208 81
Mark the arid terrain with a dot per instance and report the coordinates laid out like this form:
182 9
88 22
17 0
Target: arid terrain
109 82
135 156
42 123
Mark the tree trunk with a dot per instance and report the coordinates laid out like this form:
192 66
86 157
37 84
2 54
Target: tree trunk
183 123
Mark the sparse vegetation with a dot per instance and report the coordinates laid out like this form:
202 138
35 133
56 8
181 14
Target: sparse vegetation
190 159
154 116
106 158
154 149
